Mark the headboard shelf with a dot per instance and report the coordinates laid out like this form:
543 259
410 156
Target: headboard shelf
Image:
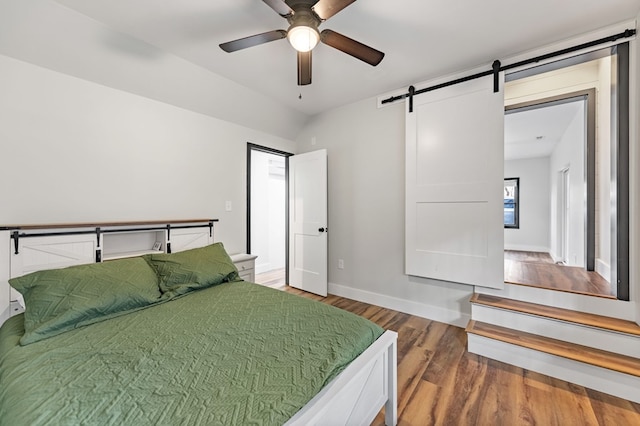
33 247
99 228
145 223
126 254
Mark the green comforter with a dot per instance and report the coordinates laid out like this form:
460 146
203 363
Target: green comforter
236 353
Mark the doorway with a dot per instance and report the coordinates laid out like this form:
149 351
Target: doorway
267 213
552 143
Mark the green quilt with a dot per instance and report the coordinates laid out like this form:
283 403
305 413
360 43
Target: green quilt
236 353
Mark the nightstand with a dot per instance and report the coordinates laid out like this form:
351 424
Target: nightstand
246 264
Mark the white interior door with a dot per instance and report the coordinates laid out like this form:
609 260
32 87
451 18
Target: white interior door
308 222
454 184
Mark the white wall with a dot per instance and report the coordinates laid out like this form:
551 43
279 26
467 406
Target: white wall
534 232
77 151
365 147
277 222
603 173
570 153
48 34
267 213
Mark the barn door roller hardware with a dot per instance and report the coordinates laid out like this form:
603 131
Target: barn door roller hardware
496 68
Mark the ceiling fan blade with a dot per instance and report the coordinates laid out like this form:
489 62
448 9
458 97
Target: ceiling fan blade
304 68
351 47
325 9
280 7
254 40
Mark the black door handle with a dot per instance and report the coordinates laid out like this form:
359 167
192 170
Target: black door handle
321 230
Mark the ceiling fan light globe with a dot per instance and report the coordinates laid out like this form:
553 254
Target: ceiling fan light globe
303 38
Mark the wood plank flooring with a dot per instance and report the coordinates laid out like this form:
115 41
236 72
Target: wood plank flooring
440 383
538 270
271 278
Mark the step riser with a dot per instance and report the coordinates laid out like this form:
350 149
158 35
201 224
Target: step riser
577 302
601 379
582 335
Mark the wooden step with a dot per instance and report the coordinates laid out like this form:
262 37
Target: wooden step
581 318
596 357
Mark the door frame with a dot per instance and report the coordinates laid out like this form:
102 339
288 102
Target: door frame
253 147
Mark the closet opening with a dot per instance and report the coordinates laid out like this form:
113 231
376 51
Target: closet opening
267 213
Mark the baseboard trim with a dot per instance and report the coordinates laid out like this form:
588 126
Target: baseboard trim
603 269
555 257
263 267
431 312
524 247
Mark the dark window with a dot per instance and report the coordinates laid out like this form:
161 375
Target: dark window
512 203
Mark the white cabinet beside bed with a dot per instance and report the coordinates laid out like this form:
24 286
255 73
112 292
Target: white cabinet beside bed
246 264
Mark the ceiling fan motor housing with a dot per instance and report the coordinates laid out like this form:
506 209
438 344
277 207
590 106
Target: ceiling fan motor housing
303 31
304 16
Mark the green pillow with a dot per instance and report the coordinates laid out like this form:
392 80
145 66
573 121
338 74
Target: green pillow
59 300
188 270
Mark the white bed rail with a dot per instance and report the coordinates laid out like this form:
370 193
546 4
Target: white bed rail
356 396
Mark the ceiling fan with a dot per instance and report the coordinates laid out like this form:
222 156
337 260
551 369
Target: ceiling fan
304 17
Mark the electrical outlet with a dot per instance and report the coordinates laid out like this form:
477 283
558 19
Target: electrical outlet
340 264
228 206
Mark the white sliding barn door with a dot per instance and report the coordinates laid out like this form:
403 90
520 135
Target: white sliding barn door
308 222
454 184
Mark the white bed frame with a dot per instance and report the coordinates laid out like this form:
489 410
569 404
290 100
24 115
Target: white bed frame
354 397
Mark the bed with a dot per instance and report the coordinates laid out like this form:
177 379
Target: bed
180 339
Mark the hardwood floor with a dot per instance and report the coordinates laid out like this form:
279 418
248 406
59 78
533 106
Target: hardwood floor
273 278
538 270
440 383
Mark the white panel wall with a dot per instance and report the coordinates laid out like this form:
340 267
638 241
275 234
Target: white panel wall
533 234
570 152
277 222
77 151
260 209
603 172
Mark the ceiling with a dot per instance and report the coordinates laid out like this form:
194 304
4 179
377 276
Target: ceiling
421 39
534 133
